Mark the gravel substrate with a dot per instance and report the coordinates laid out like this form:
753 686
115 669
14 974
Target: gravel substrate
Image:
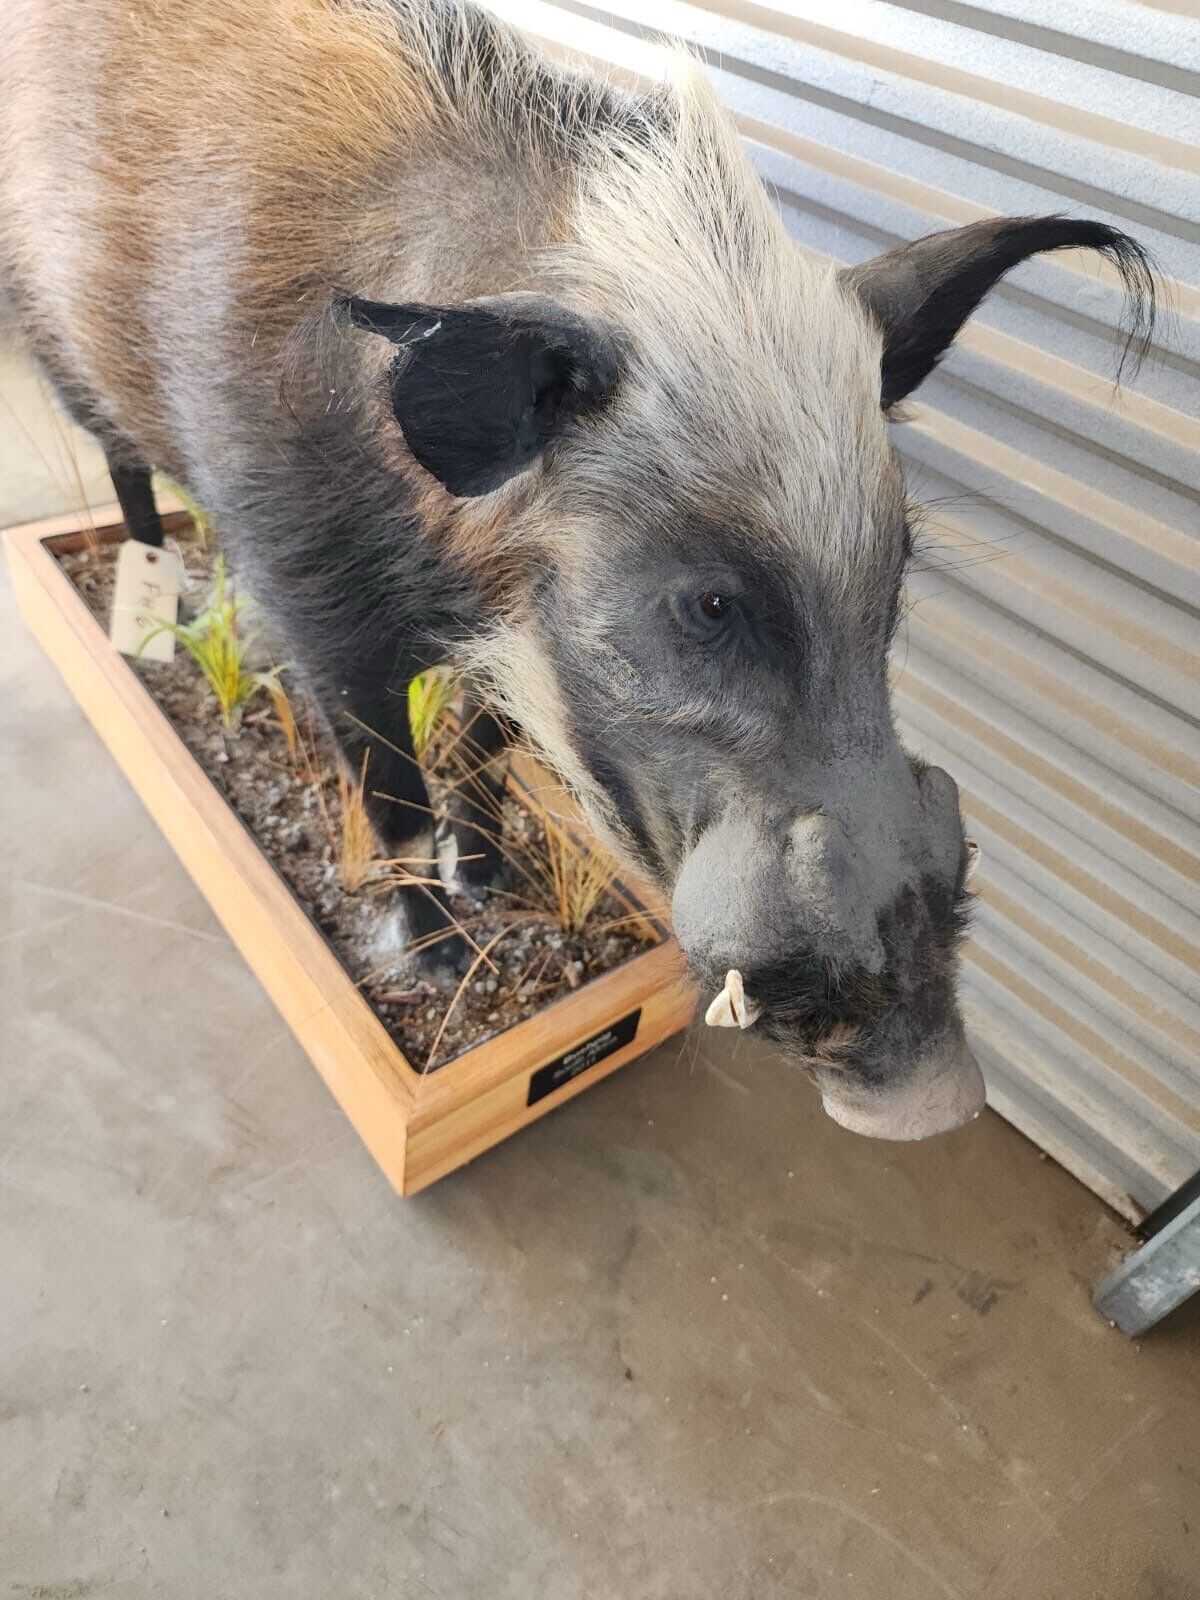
294 813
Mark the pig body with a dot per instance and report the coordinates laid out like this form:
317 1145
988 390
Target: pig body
471 356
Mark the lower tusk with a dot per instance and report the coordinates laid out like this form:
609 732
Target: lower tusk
972 860
446 845
731 1008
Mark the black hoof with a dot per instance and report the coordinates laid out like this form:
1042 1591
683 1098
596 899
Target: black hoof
440 949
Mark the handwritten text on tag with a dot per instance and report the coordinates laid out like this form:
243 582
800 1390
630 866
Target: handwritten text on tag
147 594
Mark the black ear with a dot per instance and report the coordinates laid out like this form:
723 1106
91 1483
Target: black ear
922 293
481 389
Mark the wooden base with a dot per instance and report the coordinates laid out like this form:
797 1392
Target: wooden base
417 1127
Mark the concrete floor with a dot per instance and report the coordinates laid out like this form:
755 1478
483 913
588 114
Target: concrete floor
683 1340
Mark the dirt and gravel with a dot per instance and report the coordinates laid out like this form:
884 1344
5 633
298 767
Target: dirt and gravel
292 805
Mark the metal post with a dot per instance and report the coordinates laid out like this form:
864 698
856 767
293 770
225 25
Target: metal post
1156 1278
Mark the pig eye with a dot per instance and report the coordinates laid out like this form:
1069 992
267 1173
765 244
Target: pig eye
707 612
716 605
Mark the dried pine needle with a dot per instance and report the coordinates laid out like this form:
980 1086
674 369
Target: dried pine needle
284 715
356 840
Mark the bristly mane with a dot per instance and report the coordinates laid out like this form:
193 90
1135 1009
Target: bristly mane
672 227
484 83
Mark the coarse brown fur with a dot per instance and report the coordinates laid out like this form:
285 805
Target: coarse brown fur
131 163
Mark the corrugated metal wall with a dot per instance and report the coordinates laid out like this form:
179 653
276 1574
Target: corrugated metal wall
1050 660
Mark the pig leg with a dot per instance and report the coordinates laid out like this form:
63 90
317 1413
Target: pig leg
468 834
130 477
370 719
138 510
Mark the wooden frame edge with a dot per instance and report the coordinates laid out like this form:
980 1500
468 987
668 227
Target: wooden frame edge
479 1097
257 910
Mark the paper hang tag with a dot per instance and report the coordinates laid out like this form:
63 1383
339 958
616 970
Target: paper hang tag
147 594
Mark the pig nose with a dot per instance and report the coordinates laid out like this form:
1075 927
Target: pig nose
941 1089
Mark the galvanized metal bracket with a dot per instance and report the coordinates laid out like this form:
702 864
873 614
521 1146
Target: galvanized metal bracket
1158 1276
